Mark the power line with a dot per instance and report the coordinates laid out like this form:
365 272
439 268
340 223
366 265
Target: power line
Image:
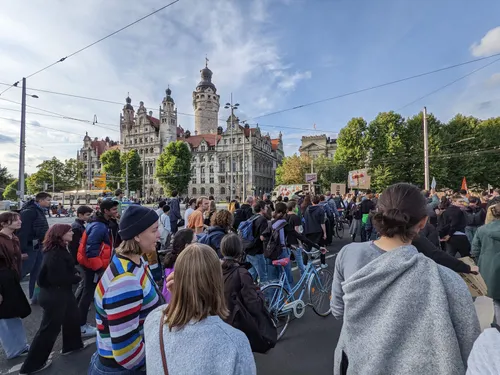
94 43
448 84
376 86
42 126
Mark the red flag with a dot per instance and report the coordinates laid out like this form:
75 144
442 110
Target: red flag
464 184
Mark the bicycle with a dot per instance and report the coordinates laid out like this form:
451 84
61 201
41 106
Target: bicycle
280 297
339 226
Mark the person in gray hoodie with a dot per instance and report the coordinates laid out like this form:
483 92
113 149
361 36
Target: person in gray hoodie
194 338
403 314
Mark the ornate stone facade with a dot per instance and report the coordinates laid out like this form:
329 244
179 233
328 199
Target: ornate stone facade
255 155
90 155
316 145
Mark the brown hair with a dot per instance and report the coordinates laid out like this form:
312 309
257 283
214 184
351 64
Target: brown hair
129 247
7 218
53 237
199 288
200 200
222 218
493 213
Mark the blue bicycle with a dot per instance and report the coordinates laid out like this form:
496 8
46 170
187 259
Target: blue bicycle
280 296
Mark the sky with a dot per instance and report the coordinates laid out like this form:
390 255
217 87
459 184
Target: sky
272 55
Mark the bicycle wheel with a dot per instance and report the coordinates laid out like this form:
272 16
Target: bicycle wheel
339 228
275 297
320 291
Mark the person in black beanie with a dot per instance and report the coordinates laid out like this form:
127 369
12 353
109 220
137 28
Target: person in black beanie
125 295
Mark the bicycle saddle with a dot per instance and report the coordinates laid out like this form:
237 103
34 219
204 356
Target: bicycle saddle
281 262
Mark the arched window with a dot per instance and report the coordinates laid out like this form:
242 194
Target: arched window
151 149
194 191
146 150
223 190
211 169
140 151
202 170
202 191
212 191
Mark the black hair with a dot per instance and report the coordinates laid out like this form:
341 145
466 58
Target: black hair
285 199
192 201
279 210
279 198
211 198
108 204
232 248
400 208
290 206
474 200
161 204
259 206
182 238
174 193
41 196
316 199
166 208
82 210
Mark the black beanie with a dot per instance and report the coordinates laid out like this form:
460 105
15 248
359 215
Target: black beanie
135 220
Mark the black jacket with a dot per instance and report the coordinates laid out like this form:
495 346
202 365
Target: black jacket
259 226
314 216
475 216
175 209
243 213
430 232
451 220
58 270
366 206
292 236
426 247
78 227
34 226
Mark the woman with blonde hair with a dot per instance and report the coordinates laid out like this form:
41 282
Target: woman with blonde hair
125 295
189 334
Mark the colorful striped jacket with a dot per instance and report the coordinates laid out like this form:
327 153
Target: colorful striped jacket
123 298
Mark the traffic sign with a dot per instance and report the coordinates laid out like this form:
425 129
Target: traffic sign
311 178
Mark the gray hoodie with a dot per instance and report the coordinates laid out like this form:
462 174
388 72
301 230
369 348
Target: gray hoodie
208 347
403 313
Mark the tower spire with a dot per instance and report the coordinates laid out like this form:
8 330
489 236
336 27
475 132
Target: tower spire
206 61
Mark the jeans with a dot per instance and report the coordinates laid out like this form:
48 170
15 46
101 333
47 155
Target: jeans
259 268
13 337
97 368
32 266
87 296
470 232
300 260
173 226
274 273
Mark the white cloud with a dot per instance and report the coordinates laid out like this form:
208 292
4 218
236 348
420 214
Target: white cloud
489 44
494 80
168 48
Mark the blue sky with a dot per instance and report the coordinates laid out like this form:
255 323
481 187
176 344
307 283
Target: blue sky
271 54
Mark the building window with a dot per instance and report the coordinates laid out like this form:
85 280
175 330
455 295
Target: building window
151 150
140 140
225 141
146 129
233 140
194 191
135 140
146 150
222 165
193 180
223 190
202 191
140 151
203 148
222 179
239 140
202 170
212 191
202 180
211 180
211 169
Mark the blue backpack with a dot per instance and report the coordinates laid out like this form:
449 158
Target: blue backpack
245 231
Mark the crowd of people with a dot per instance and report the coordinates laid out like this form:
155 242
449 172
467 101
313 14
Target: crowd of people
161 281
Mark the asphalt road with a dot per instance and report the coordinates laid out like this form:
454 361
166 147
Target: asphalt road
306 348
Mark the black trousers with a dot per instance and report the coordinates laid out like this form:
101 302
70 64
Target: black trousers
366 233
59 310
87 295
174 226
458 244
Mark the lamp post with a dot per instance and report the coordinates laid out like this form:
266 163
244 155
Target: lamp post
22 143
233 107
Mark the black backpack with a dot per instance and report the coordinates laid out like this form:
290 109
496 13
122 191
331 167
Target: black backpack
474 219
260 330
274 246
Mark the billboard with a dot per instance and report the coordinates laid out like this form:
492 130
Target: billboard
337 188
359 179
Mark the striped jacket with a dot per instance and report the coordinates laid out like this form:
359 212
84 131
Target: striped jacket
123 298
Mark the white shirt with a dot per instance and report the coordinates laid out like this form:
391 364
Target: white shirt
188 213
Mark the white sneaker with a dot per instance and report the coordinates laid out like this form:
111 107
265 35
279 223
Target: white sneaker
88 331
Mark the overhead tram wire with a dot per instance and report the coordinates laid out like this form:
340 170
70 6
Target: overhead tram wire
43 126
94 43
376 86
448 84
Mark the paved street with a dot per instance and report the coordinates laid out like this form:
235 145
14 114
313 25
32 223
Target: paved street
306 348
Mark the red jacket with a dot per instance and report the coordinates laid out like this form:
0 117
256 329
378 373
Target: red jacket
95 250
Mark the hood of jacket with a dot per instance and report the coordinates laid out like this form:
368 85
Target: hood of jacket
216 228
31 205
492 230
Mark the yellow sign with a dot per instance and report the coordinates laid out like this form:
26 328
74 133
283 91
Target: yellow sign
100 181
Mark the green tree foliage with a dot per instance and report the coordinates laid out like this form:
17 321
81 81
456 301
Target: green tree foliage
173 167
351 144
10 191
293 170
329 171
67 175
134 169
5 177
112 165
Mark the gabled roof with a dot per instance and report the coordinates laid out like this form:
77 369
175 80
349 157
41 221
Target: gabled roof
195 140
302 148
154 121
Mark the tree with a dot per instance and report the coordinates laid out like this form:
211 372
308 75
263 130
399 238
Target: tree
111 164
5 177
66 176
329 171
173 167
134 169
351 144
10 191
293 170
73 173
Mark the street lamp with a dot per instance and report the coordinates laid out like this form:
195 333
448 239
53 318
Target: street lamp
22 143
233 107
